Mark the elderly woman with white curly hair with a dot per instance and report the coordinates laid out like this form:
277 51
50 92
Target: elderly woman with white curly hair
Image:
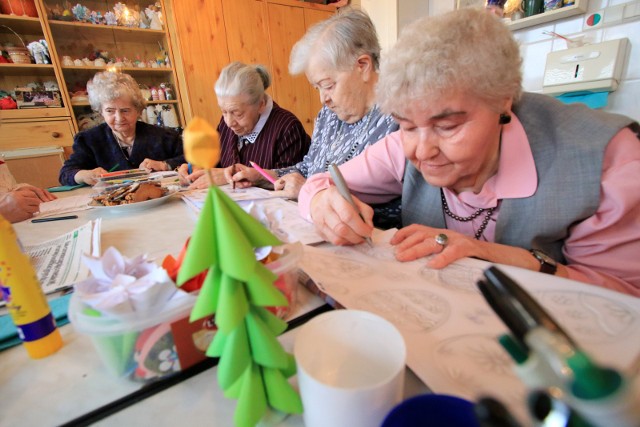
487 171
122 142
340 58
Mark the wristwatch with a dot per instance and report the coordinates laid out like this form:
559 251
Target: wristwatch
548 265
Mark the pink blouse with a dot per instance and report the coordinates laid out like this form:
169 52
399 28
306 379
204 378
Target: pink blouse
603 250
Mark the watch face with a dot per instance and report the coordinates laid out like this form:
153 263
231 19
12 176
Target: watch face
547 264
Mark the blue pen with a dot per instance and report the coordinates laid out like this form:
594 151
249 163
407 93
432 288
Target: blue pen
189 168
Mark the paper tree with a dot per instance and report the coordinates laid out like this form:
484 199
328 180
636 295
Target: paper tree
253 366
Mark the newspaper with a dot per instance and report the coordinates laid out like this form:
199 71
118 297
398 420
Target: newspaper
58 262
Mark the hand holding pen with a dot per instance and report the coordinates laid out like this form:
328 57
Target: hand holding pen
243 176
338 216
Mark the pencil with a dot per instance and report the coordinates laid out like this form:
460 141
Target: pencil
233 172
263 172
116 166
339 181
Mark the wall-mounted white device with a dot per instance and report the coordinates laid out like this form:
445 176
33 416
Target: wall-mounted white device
594 67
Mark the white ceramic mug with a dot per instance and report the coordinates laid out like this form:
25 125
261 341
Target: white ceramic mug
350 368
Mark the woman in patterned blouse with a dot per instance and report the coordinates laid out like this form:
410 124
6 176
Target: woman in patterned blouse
340 57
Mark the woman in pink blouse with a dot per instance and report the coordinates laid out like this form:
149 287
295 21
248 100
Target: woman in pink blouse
487 171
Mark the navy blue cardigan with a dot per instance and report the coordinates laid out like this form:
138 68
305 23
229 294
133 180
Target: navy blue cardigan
97 147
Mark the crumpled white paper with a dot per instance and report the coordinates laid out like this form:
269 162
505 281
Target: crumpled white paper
123 286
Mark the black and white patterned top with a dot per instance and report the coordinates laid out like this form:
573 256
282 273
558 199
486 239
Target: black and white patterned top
335 141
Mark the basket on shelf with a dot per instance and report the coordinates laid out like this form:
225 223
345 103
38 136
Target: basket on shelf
19 55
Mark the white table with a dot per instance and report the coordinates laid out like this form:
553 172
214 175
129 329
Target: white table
73 381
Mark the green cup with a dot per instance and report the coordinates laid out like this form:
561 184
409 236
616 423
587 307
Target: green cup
533 7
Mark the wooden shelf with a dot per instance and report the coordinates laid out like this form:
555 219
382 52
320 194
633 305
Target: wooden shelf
27 69
32 113
96 27
20 24
86 103
579 7
128 70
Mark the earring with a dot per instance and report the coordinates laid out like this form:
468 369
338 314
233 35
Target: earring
504 119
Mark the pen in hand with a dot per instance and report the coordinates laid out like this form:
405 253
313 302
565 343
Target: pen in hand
54 218
338 180
263 172
233 181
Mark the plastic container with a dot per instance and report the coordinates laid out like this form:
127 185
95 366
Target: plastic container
146 347
286 267
139 346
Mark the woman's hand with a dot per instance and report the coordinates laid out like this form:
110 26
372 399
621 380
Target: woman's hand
337 220
243 176
201 179
18 205
154 165
89 176
417 241
42 194
289 185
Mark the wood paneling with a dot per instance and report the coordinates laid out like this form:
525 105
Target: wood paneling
247 35
286 26
313 16
203 48
250 31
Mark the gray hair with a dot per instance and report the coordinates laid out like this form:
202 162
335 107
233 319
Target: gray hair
238 79
468 50
339 40
107 86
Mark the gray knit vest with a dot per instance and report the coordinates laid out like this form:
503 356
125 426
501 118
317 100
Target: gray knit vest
568 144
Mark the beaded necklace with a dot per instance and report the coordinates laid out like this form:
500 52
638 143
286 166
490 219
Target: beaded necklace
471 217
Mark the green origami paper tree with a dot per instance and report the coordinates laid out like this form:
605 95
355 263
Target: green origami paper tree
253 366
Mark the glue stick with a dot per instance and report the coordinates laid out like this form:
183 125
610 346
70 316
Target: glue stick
25 300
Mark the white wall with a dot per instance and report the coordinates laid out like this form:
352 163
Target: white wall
535 45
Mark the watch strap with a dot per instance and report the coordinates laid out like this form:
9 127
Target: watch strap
547 264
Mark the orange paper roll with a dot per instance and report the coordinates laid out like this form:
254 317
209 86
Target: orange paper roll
25 300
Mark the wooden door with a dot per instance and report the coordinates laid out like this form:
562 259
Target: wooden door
204 52
287 24
311 17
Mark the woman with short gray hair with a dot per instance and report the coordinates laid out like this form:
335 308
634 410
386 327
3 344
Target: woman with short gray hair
253 127
487 171
122 141
340 57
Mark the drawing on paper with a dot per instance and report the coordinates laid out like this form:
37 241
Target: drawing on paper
589 317
478 362
454 276
408 309
326 265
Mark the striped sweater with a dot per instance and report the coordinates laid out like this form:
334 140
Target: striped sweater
281 142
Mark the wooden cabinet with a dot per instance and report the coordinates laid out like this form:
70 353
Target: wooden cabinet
146 54
251 31
39 128
33 140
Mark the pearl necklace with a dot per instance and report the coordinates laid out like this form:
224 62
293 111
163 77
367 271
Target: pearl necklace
474 215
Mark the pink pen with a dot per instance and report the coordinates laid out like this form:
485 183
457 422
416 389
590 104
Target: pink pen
263 172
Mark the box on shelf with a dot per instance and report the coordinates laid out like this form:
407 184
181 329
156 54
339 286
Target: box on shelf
38 99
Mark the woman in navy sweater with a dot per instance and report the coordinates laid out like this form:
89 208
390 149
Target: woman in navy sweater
122 142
